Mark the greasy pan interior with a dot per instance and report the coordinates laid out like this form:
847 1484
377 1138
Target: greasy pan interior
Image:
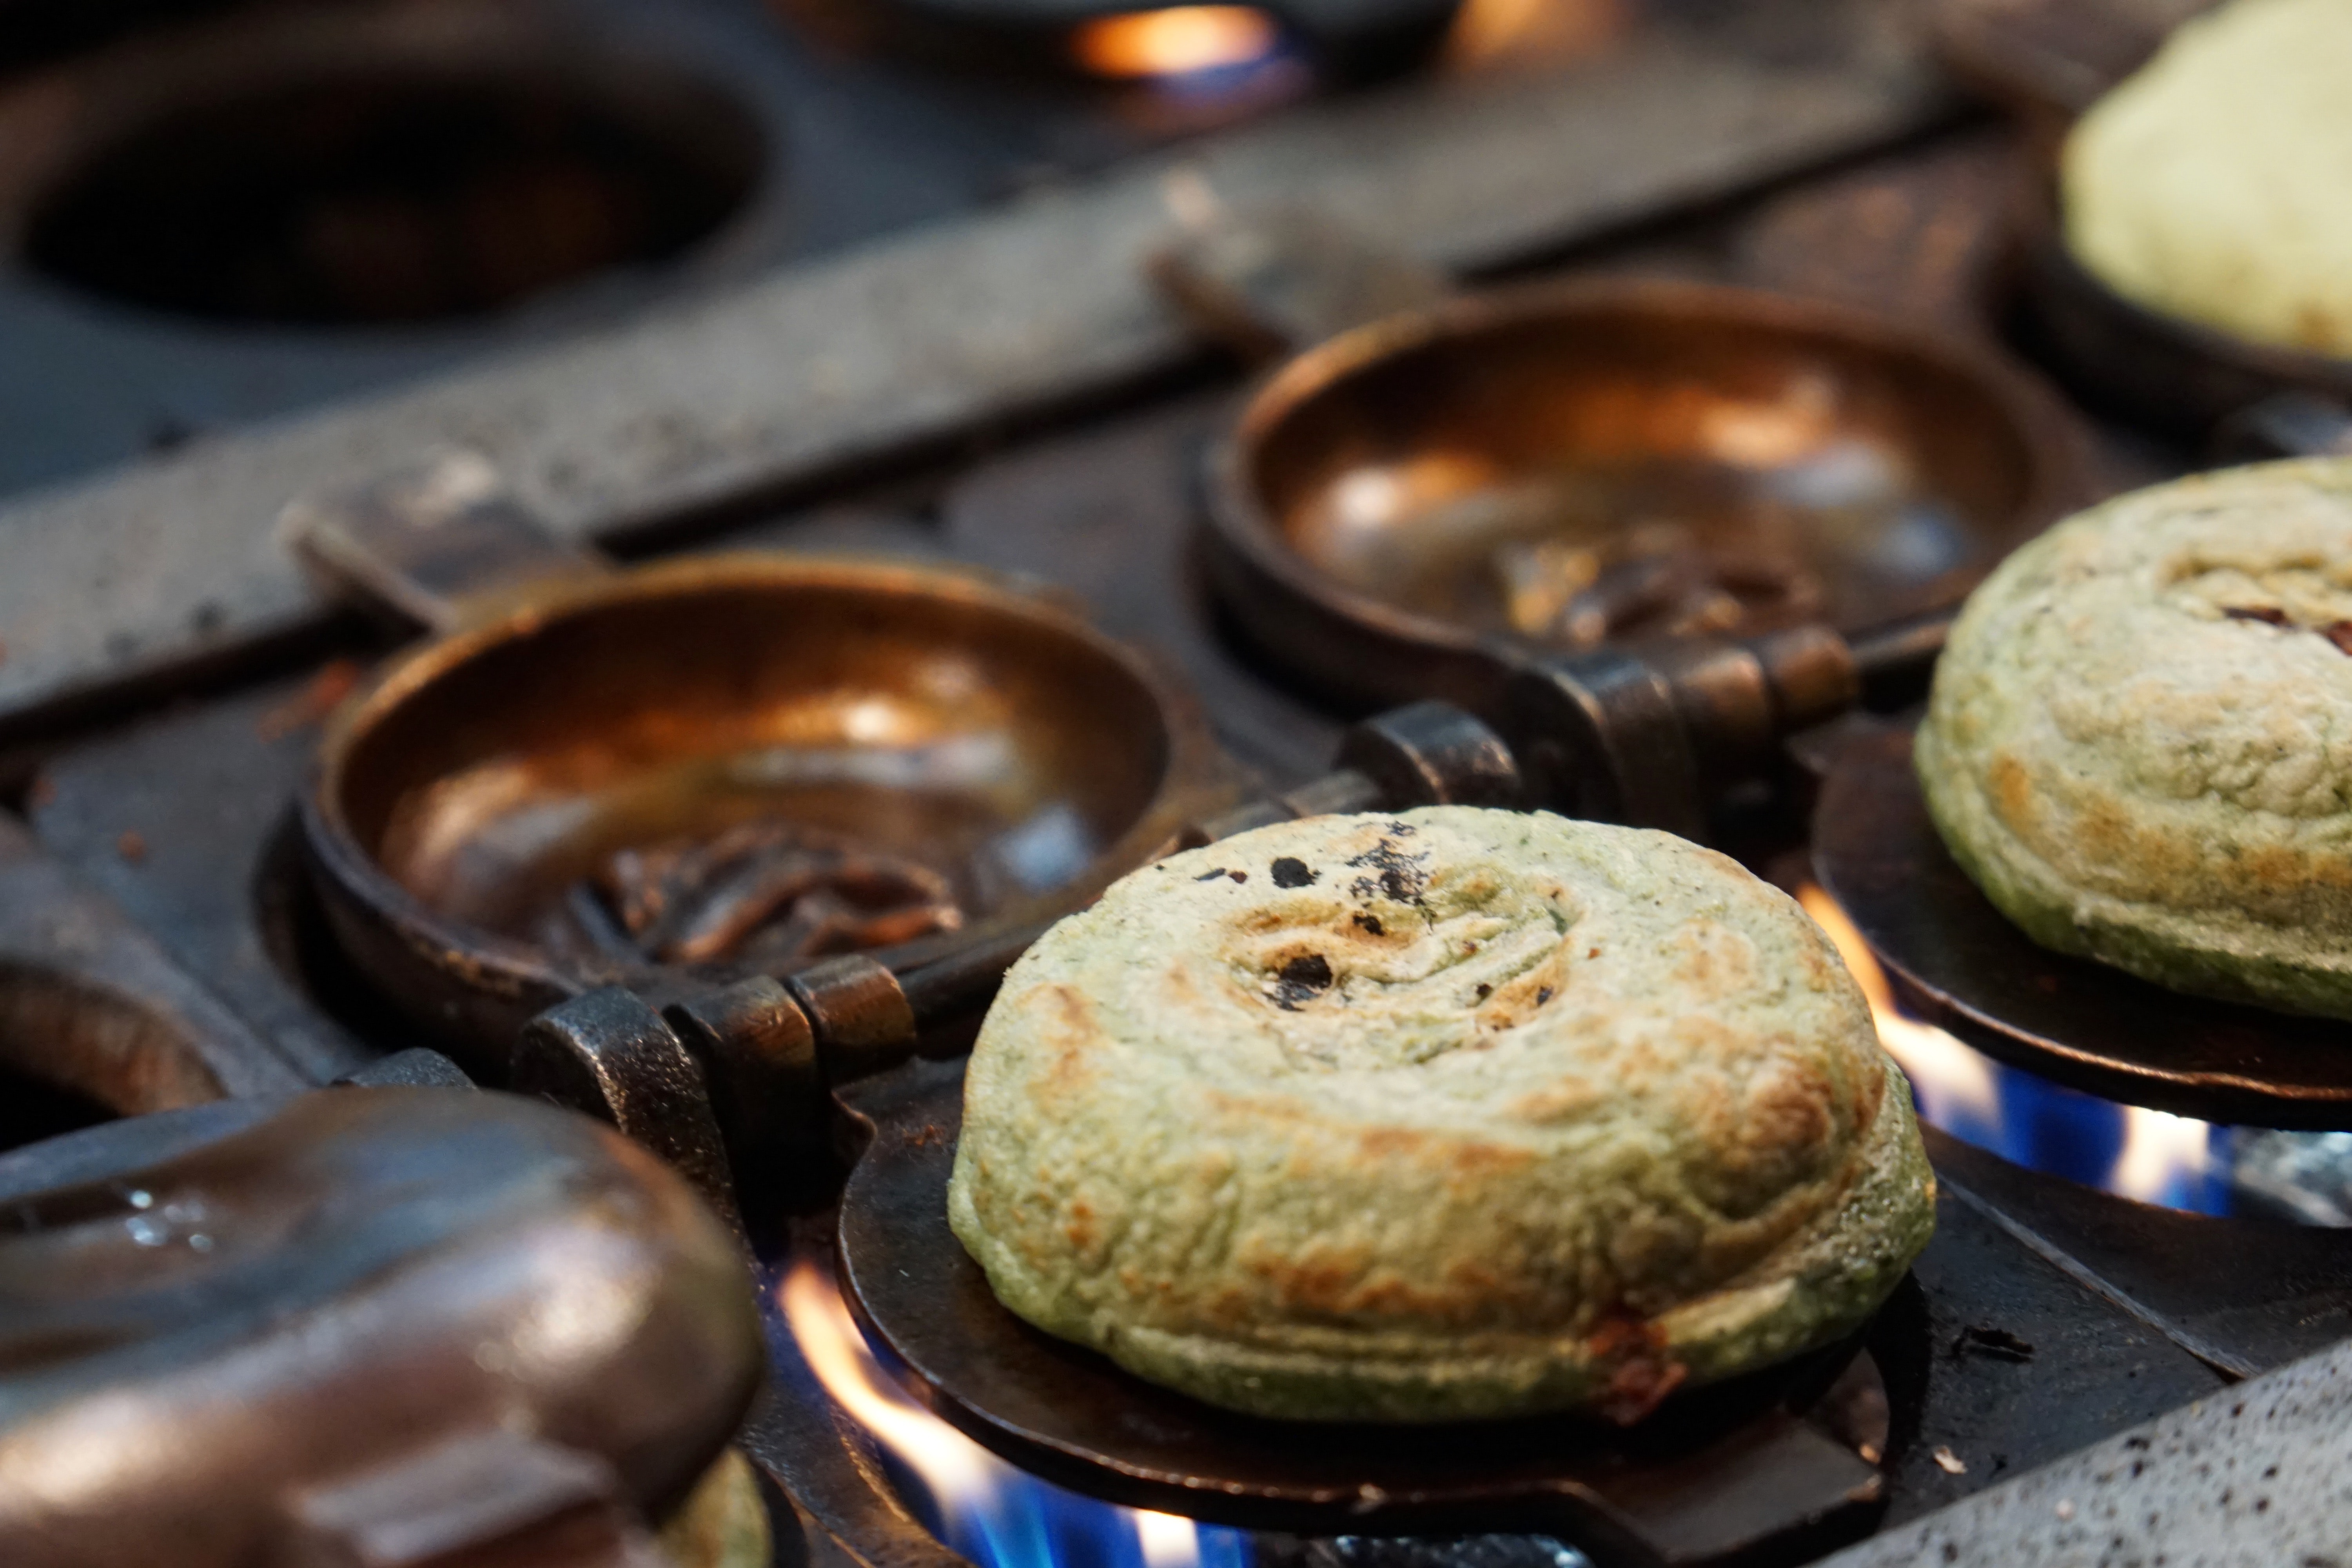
905 716
1420 482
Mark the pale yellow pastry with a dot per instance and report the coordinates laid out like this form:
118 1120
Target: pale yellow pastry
2215 185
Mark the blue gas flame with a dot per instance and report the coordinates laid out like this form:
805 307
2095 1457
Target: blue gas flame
978 1505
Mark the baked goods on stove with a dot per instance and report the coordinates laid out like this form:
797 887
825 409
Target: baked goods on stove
1452 1114
2212 184
2139 744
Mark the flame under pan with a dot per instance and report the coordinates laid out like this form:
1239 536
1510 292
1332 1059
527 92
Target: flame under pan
2084 1024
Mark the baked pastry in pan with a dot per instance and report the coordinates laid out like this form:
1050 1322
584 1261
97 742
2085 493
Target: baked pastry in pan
1457 1113
2211 185
2139 742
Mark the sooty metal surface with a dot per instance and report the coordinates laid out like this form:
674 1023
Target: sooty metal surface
2244 1295
1713 1474
2080 1023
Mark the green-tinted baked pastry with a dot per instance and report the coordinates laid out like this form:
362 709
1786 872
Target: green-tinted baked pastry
1453 1114
2140 740
2216 184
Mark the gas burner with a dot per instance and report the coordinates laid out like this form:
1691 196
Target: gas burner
2048 1324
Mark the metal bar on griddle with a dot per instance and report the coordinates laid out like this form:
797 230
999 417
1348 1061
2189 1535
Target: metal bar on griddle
163 572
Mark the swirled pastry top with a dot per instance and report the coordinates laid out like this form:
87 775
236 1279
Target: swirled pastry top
2139 742
1455 1113
2211 185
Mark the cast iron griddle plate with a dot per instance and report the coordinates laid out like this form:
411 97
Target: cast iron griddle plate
2082 1024
1709 1475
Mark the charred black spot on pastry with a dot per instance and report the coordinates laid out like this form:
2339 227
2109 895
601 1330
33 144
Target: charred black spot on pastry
1309 969
1485 991
1238 876
1403 829
1543 994
1210 876
1292 872
1395 873
2269 615
1301 980
1372 923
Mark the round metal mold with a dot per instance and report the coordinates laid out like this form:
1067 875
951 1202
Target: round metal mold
351 167
1959 960
1710 1474
1378 491
931 716
74 1052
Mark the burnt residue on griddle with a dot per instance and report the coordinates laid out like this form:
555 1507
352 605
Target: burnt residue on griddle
1998 1343
763 891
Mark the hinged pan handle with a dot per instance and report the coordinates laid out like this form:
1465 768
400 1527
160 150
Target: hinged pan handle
430 543
1268 281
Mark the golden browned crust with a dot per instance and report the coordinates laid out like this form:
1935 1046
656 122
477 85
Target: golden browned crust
2140 739
1452 1114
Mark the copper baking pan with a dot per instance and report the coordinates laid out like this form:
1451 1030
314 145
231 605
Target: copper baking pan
942 755
1416 504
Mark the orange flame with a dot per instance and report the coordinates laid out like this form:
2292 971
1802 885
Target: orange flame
964 1477
2160 1152
2163 1156
1532 32
1175 41
1954 1082
950 1463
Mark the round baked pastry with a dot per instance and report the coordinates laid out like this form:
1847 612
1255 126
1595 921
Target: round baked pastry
2211 185
1453 1114
2139 742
